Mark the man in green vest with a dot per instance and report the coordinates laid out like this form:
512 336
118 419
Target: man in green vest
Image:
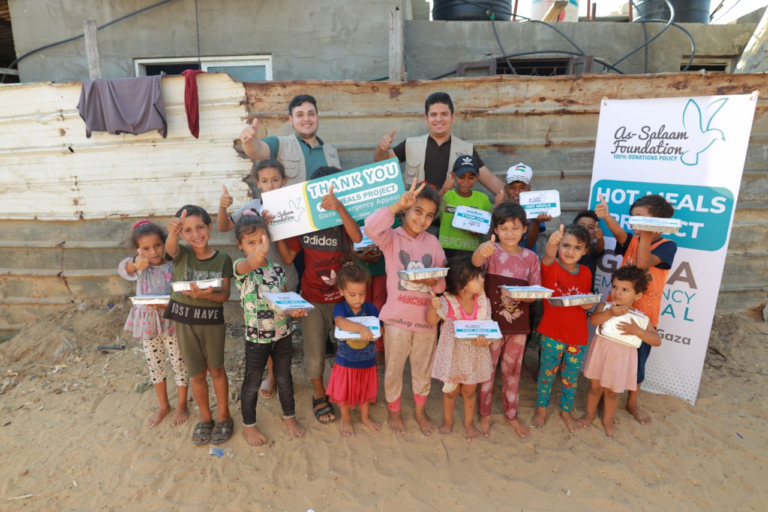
301 153
430 157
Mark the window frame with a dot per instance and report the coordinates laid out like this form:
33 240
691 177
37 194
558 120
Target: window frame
140 69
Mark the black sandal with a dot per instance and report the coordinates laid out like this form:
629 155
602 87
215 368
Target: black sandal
202 433
328 409
222 432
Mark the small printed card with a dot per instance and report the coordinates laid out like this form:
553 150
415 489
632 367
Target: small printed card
289 301
471 329
472 219
371 322
364 243
540 201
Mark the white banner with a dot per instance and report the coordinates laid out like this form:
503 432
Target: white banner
691 151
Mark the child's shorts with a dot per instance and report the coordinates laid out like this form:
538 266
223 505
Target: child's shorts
201 346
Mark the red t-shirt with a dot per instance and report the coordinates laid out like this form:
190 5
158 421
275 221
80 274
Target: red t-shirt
322 260
568 325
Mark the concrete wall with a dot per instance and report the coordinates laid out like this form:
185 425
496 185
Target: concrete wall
433 48
328 40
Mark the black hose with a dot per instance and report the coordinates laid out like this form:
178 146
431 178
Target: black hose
70 39
680 27
498 40
646 43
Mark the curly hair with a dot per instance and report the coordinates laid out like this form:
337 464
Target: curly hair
351 272
460 272
579 231
634 275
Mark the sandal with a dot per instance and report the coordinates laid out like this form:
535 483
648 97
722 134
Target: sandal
202 433
328 409
266 393
222 432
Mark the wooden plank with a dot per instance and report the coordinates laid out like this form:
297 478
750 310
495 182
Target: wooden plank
92 49
555 10
396 46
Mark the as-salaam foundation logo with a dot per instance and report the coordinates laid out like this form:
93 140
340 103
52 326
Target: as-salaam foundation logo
293 214
664 144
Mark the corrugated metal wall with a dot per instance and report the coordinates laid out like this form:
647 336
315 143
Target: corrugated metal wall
548 123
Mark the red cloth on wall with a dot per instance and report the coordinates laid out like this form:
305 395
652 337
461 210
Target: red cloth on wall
191 100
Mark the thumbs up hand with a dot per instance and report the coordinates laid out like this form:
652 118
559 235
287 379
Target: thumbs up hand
557 236
487 249
226 200
501 196
249 132
331 202
386 141
177 223
435 301
601 209
259 254
140 263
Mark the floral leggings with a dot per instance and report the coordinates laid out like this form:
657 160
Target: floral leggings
155 349
510 349
570 359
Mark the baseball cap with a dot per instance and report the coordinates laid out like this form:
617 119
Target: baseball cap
465 164
519 172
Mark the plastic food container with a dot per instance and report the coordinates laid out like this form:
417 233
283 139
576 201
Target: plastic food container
526 292
575 300
468 330
184 286
655 224
288 301
151 300
371 322
422 273
610 328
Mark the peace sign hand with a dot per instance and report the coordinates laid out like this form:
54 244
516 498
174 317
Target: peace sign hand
409 198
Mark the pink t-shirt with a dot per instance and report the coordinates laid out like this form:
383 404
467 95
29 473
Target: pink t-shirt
504 269
407 302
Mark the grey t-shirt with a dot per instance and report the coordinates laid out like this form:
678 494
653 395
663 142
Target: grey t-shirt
273 255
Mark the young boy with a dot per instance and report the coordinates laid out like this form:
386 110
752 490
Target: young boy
322 255
198 315
455 241
649 252
519 180
269 175
589 220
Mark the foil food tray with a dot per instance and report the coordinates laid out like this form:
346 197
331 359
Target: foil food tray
422 273
575 300
526 292
184 286
655 224
151 300
610 328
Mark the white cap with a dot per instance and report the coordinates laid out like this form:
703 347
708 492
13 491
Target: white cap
519 172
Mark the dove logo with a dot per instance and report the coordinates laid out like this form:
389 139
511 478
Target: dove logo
698 124
293 214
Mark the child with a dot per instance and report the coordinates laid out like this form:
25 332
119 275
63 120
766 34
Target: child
153 277
269 175
407 332
563 329
612 367
323 251
589 220
267 332
199 316
460 365
455 241
506 263
354 380
649 252
519 180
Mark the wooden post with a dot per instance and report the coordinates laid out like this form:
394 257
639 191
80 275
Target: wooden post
396 46
589 10
514 12
631 14
92 50
594 11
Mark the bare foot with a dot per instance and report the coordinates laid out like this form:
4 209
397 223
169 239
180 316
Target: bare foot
427 426
640 415
585 421
446 427
253 436
484 426
527 374
373 426
294 428
570 422
156 418
345 427
471 432
181 416
521 430
608 427
395 420
540 418
267 389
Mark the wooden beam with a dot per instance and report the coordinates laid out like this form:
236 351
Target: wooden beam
396 46
555 10
92 50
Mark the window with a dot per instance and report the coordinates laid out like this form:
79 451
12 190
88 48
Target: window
533 67
246 68
709 64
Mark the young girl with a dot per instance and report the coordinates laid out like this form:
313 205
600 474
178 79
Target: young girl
407 333
506 263
269 175
199 316
612 367
267 332
354 379
563 329
460 365
153 277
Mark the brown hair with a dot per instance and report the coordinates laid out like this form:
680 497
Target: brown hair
351 272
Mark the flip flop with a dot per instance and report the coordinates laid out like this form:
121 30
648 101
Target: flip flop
222 432
264 392
202 432
328 409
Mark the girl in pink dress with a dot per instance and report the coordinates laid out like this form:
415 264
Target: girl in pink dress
461 364
611 366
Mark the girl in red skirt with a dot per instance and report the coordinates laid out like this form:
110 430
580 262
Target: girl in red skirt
353 379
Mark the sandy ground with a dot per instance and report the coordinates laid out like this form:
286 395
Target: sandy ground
74 437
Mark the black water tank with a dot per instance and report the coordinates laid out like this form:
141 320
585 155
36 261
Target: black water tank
686 11
476 10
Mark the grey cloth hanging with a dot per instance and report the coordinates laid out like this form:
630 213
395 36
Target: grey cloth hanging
124 105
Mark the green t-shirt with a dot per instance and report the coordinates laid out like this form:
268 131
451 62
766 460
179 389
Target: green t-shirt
454 238
379 268
186 267
262 323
